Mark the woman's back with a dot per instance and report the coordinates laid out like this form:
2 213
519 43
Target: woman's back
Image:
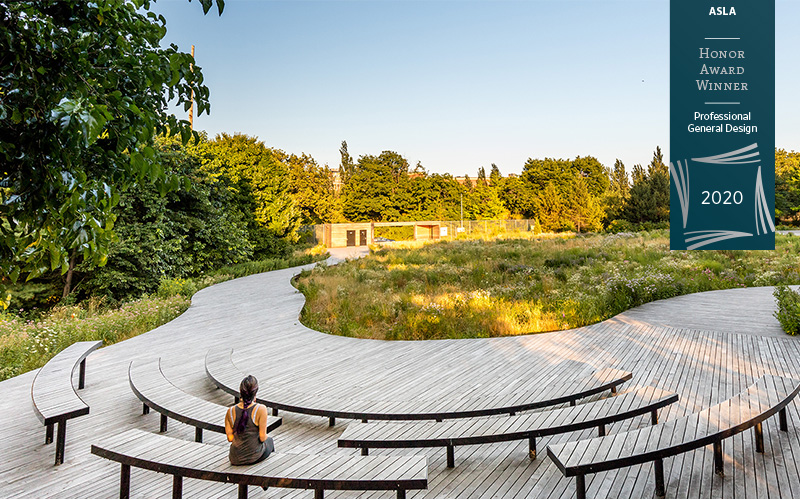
246 447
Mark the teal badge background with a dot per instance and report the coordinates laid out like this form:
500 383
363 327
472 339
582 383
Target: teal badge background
733 162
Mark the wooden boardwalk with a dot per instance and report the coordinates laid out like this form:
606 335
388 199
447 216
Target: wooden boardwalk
706 347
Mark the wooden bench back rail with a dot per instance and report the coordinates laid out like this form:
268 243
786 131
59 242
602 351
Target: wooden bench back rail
136 448
155 391
226 376
530 426
53 396
767 396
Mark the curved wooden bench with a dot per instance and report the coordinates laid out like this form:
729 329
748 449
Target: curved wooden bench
769 395
136 448
155 391
53 395
497 429
226 376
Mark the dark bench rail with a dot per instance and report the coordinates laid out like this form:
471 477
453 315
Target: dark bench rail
155 391
496 429
136 448
53 395
225 375
767 396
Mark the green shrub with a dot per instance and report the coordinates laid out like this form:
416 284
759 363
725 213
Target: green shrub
620 226
788 313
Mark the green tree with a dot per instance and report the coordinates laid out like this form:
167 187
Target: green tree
185 233
311 187
787 186
379 189
346 166
435 197
638 175
649 195
540 173
550 208
259 179
84 88
484 200
581 208
618 192
518 197
495 177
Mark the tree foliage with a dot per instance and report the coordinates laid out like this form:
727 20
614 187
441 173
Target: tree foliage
378 190
84 88
649 195
787 186
259 178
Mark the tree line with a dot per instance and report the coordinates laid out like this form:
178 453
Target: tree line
102 191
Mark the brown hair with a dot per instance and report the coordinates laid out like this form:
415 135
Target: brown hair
247 390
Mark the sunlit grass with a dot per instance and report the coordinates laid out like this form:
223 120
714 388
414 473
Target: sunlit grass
522 284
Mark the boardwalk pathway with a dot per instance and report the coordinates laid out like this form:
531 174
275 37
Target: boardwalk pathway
706 347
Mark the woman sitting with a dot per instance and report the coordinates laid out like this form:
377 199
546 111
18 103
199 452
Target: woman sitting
246 427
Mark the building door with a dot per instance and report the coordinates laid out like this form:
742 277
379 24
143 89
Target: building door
362 238
351 238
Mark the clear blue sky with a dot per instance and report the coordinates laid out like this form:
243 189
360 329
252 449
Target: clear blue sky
455 84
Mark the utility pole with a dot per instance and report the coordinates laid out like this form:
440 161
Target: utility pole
191 102
462 211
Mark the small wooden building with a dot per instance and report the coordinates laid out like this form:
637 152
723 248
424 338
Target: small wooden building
363 233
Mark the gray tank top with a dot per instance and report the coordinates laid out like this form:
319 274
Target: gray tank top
246 447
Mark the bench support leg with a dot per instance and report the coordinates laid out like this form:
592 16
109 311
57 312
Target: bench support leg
401 493
275 412
532 447
759 434
438 419
658 466
82 374
613 390
177 486
163 423
331 421
719 466
451 456
145 409
61 438
364 452
242 491
198 434
601 430
125 481
319 493
512 413
784 421
364 421
572 402
48 434
654 417
580 486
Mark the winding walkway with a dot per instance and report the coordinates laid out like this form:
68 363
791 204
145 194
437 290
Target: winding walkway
706 347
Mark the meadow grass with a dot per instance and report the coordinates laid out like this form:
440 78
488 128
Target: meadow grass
26 344
521 283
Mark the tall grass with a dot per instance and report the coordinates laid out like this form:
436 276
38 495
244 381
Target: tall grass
523 284
26 344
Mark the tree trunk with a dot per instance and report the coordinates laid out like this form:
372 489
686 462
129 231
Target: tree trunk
68 284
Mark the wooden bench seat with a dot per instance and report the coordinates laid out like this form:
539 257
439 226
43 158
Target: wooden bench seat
155 391
136 448
497 429
225 375
769 395
53 395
